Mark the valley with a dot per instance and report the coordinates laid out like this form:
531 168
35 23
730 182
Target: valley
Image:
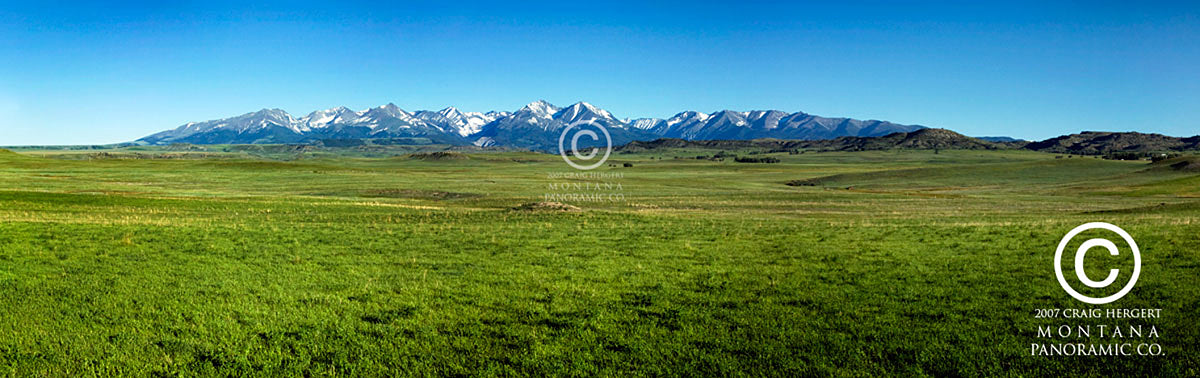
332 263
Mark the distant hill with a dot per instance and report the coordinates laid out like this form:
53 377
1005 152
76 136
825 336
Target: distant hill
1182 163
1086 143
925 139
1100 143
9 158
919 139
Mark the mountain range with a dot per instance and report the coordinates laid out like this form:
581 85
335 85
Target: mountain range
537 126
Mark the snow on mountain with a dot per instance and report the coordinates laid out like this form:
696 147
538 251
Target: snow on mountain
538 112
687 118
484 142
324 118
539 108
539 125
764 119
261 119
732 125
696 126
645 123
583 111
452 120
263 125
474 122
389 115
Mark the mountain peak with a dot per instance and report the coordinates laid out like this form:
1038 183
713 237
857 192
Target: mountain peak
737 118
541 108
334 110
390 110
585 106
323 118
271 111
582 110
277 115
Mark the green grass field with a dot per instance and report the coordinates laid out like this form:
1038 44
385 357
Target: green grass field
901 263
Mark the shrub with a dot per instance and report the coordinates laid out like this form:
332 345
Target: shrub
756 160
1160 157
1122 155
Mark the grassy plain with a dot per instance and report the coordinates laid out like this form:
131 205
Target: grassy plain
889 263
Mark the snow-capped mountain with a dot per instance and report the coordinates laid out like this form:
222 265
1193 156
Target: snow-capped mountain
764 119
458 122
263 126
539 113
582 111
645 123
277 126
539 124
682 121
323 118
536 126
539 108
390 121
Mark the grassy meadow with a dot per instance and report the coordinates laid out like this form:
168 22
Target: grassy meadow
883 263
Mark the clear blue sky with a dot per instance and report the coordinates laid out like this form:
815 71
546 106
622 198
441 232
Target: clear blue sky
81 73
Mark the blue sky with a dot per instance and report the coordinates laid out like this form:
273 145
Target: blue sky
81 73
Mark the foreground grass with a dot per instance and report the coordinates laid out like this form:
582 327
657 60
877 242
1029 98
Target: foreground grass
893 263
